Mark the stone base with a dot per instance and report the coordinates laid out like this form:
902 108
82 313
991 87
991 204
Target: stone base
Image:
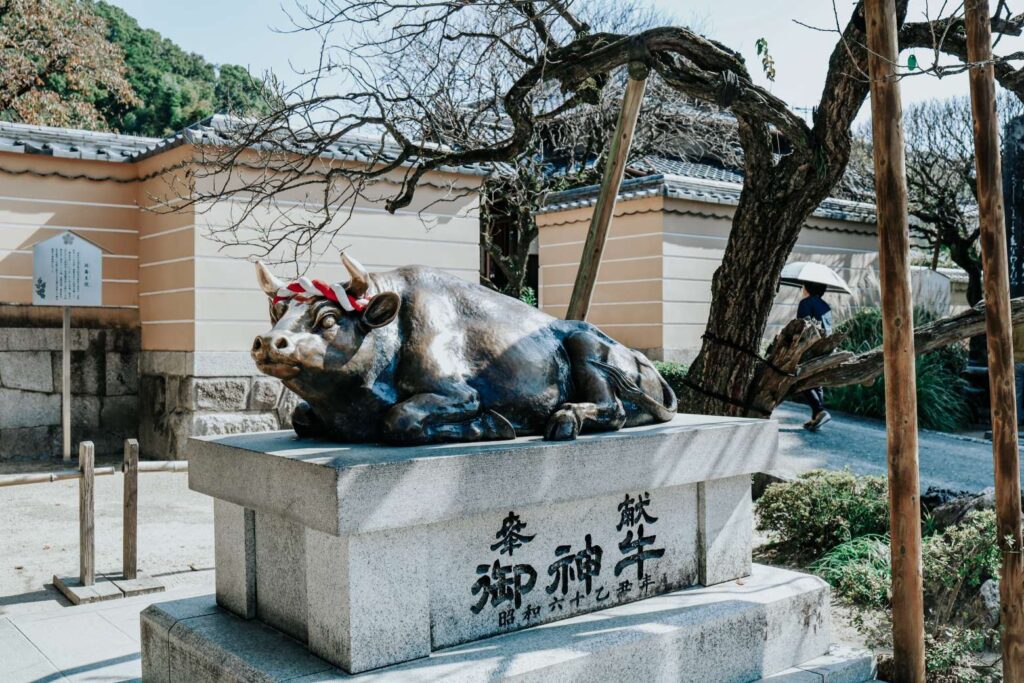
773 623
72 589
140 585
106 588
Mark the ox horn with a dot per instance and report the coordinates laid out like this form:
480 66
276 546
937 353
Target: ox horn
269 282
360 279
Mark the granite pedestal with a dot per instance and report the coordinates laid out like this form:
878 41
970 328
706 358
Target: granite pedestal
365 557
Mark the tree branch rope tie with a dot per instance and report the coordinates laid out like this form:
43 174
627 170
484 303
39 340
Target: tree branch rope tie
725 399
728 343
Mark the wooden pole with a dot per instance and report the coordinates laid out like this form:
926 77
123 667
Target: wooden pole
86 515
65 391
998 328
897 342
597 235
129 545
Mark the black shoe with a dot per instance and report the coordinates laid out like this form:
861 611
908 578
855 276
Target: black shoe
815 423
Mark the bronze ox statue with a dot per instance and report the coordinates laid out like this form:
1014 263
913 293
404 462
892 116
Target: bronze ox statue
418 356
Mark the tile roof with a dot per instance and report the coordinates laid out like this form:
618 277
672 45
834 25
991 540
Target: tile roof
699 183
83 144
68 143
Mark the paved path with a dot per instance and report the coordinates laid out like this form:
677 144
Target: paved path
859 444
97 642
39 536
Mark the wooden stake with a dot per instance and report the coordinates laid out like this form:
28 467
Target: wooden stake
65 383
998 327
129 545
597 235
86 514
897 342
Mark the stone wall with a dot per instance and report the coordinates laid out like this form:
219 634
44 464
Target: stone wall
104 380
189 394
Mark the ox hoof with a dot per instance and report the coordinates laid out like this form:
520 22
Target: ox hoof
498 427
563 426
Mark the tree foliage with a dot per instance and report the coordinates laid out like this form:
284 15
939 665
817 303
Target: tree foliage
176 88
56 65
85 64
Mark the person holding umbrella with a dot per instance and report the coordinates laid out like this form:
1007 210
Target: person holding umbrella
815 279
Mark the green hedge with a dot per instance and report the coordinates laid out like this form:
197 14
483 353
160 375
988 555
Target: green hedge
674 373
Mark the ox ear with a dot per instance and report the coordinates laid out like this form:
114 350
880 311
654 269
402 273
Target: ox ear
382 309
269 282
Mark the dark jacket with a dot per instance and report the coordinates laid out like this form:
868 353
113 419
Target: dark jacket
815 307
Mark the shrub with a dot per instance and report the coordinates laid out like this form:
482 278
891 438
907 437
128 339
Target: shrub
940 387
956 563
674 373
822 509
858 571
528 296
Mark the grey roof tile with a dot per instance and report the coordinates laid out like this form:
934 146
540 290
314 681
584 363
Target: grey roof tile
700 183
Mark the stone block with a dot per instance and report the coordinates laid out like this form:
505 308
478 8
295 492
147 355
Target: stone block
265 393
350 489
34 339
281 574
174 363
123 340
30 442
29 370
699 635
839 665
224 363
156 622
120 415
122 373
234 549
85 415
725 529
28 409
368 598
374 554
88 375
212 424
221 393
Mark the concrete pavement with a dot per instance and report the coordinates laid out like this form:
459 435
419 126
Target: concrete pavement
858 443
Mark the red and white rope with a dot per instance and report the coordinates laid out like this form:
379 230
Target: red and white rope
304 289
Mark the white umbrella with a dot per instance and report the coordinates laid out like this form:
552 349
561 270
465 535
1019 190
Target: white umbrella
801 272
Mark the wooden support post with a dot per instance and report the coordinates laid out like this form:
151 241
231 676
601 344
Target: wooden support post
998 328
897 342
65 383
597 235
129 545
86 514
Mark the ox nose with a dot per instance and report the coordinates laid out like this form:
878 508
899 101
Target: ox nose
267 345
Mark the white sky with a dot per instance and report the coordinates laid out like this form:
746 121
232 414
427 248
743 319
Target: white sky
241 32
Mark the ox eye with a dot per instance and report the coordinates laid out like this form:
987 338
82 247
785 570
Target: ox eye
327 321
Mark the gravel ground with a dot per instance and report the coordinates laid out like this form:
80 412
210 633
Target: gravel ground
40 535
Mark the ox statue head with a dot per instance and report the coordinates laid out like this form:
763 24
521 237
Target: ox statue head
318 327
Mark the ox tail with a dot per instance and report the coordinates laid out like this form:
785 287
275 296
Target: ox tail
664 410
